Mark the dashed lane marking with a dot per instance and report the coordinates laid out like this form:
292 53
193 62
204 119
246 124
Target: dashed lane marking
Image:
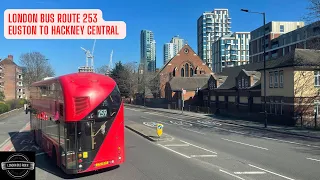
205 155
198 147
193 131
231 174
250 172
244 144
313 159
174 151
176 145
271 172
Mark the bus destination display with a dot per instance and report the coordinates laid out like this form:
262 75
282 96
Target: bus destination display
102 113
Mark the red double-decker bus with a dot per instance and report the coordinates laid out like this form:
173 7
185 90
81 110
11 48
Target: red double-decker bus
78 120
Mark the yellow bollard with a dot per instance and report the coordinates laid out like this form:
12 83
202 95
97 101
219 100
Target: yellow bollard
159 129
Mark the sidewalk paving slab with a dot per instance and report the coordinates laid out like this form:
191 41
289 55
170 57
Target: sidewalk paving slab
297 131
146 132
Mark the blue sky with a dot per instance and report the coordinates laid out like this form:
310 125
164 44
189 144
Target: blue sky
165 18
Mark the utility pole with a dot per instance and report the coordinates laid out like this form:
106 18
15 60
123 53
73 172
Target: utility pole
264 65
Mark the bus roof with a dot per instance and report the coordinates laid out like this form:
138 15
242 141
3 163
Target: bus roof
82 92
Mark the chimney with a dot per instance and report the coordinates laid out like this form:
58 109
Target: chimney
10 57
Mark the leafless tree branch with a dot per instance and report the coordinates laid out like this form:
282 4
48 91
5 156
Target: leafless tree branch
36 67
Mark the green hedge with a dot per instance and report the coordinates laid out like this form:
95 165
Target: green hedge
11 104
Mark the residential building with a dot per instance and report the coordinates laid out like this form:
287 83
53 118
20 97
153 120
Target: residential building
230 50
148 50
293 90
210 27
11 79
178 42
272 30
185 64
306 37
169 51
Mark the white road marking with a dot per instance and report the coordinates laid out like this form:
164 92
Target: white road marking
133 109
250 172
198 147
208 155
150 124
144 117
38 154
245 144
13 135
231 174
193 131
164 123
313 159
290 142
272 172
176 145
238 132
174 151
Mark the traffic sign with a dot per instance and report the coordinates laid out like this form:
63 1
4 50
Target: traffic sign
159 129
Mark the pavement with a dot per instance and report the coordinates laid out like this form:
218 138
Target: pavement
274 128
237 151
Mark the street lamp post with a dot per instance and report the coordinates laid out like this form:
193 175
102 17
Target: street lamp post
264 65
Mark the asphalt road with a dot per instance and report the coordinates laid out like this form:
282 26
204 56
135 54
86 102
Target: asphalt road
239 152
144 160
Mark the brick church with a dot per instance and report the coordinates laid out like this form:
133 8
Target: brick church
184 71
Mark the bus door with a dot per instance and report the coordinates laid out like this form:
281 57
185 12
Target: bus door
68 155
85 142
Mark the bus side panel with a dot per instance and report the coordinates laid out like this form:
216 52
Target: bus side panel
111 152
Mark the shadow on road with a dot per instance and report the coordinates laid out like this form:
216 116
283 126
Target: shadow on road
23 141
45 163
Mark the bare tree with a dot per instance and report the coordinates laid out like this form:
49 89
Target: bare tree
102 70
305 96
313 11
36 67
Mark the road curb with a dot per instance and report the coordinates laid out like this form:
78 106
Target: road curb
11 112
141 134
239 124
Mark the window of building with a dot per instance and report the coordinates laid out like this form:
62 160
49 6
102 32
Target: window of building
246 83
316 78
187 70
276 79
276 105
239 83
182 72
281 79
242 82
271 79
281 28
191 72
20 76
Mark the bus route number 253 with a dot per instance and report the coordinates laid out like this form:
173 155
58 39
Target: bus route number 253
102 113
